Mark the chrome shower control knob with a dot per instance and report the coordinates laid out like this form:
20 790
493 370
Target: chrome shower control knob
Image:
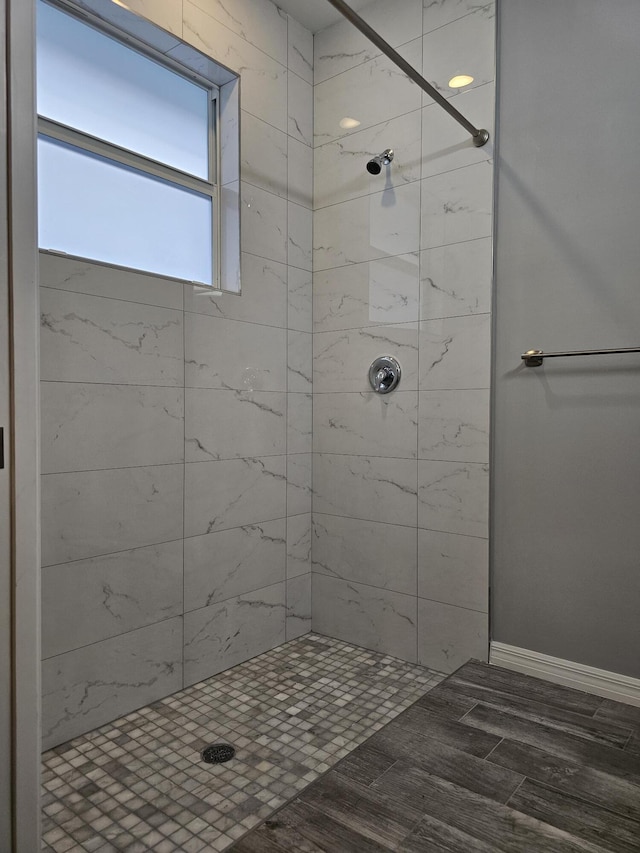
384 374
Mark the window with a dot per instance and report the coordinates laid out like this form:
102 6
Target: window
127 154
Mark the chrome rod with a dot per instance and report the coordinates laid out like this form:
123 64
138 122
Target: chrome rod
535 357
480 137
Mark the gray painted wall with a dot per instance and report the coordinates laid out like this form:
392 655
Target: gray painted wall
566 537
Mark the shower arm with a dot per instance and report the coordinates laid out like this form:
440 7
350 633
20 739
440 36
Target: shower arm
480 137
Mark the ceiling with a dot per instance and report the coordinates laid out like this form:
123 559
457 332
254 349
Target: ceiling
316 14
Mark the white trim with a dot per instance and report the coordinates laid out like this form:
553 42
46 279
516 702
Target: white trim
612 685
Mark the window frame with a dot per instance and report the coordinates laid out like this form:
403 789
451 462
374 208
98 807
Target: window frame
57 131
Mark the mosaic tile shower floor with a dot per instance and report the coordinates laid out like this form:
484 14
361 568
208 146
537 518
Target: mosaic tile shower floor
138 784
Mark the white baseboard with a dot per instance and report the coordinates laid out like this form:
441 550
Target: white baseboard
611 685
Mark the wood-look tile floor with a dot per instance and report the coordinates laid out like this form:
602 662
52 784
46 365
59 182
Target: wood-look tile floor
487 761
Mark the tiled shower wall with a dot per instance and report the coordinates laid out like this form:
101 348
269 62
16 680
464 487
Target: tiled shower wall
176 425
402 267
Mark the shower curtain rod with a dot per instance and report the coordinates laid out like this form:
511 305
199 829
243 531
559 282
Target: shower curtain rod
480 137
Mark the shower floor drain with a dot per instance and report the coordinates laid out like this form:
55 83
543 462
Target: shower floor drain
218 753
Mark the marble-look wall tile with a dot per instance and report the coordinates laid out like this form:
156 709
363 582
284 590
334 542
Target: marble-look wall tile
340 46
300 237
264 80
300 59
90 686
374 293
457 205
298 606
233 493
230 632
166 14
227 354
381 555
258 22
300 282
233 424
99 280
300 173
299 480
456 280
300 361
89 513
263 218
84 427
454 425
371 93
341 360
222 565
455 353
263 299
93 339
340 170
298 545
453 497
264 155
437 13
300 423
450 636
377 619
453 569
366 424
109 595
375 226
372 488
301 117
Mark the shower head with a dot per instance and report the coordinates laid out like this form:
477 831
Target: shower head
375 165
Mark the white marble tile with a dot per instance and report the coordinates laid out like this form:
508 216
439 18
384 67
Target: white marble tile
366 424
453 497
299 479
445 144
263 299
298 545
457 205
464 46
84 427
166 16
340 46
300 289
298 606
229 132
437 13
377 619
450 636
264 155
454 425
299 418
341 360
368 294
109 595
453 569
300 173
456 280
263 218
99 280
373 92
374 226
89 513
300 124
264 80
299 361
85 688
258 22
340 171
376 488
300 50
234 355
230 243
232 424
222 565
455 353
381 555
225 634
300 237
92 339
233 493
166 13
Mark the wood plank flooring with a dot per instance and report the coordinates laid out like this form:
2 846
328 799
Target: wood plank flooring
490 761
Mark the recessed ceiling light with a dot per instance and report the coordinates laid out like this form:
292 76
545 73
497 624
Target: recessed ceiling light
460 80
349 123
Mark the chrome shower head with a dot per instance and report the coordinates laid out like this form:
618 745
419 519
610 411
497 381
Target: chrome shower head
375 165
